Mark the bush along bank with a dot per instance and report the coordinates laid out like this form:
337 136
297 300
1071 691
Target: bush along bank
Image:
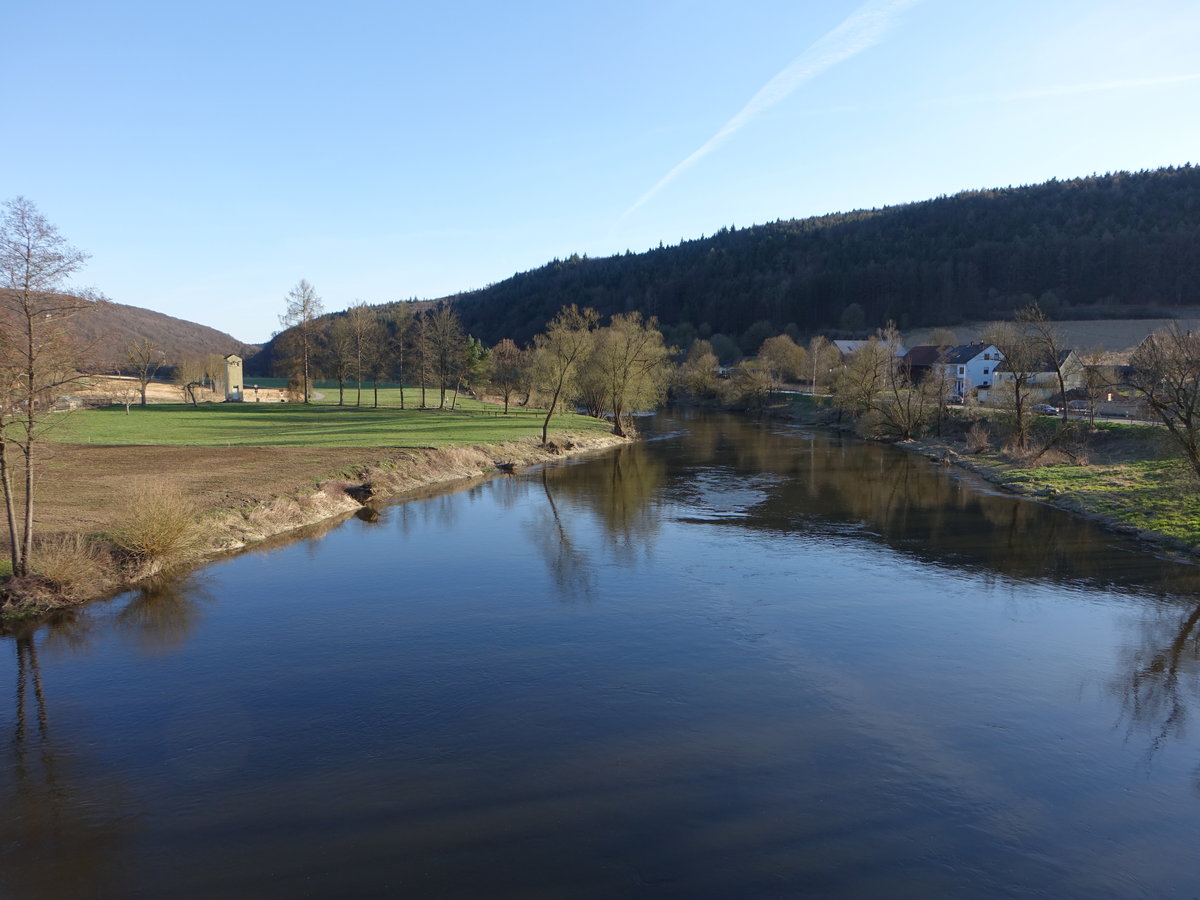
161 529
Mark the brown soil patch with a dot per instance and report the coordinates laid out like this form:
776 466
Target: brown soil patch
80 486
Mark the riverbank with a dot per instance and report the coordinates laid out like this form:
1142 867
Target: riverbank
1150 498
234 498
1124 477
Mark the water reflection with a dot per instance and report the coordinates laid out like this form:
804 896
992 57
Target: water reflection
161 613
570 567
1162 685
792 481
618 492
60 832
789 661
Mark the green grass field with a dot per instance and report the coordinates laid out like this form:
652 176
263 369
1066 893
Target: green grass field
322 424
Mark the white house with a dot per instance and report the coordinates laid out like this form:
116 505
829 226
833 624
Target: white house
972 366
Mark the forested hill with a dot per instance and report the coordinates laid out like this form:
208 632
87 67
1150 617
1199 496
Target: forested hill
1117 245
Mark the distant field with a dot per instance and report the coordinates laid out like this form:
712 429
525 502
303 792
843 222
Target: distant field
314 425
1085 334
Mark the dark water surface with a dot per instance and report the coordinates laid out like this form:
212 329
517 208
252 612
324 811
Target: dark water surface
733 661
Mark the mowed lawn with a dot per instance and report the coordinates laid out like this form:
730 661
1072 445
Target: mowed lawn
322 424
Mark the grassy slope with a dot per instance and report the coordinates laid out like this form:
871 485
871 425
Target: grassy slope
1131 478
314 425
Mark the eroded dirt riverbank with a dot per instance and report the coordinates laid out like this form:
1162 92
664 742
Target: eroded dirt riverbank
246 495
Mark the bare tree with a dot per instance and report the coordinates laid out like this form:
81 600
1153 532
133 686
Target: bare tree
36 362
123 391
859 384
303 309
1032 345
508 364
422 354
875 387
476 369
145 358
632 366
447 349
364 332
560 351
341 353
1012 381
190 375
822 359
401 326
1165 371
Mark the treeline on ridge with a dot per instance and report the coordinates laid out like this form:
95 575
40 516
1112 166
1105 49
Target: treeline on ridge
1119 245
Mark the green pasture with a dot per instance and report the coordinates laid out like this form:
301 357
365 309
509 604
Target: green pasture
1155 495
314 425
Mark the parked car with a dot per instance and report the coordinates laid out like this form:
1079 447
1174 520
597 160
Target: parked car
1045 409
955 399
1078 406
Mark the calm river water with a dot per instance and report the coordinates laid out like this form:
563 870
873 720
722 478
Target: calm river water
736 660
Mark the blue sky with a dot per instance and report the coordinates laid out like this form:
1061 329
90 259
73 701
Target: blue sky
209 156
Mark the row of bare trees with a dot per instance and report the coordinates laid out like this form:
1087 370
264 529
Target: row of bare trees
369 345
610 371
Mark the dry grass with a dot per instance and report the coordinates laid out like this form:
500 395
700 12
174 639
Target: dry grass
76 566
159 525
979 438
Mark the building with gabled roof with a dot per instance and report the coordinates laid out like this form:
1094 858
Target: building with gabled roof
972 367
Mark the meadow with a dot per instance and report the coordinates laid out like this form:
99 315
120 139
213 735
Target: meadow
319 424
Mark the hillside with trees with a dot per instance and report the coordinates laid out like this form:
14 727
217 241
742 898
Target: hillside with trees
1119 245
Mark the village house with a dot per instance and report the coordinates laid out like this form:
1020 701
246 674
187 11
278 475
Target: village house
1042 380
972 367
921 360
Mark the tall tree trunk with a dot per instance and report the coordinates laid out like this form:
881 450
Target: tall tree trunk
14 536
27 539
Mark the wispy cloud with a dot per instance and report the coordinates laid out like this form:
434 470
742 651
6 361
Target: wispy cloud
863 29
1064 90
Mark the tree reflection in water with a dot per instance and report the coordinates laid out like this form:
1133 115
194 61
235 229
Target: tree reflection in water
62 828
619 490
163 612
1163 681
570 566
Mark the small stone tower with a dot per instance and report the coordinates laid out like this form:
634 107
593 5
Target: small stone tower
234 389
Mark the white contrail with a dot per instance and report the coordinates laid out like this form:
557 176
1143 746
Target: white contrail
1064 90
863 29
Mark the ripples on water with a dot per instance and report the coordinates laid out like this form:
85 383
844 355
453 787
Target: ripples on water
731 661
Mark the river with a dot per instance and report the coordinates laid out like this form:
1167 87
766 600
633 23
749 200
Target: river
734 660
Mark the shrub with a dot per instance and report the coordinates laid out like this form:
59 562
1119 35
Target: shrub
77 567
979 439
158 524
